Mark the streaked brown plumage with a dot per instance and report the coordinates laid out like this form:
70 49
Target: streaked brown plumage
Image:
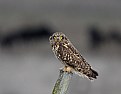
70 56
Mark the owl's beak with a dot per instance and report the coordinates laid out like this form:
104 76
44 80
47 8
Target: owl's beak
58 39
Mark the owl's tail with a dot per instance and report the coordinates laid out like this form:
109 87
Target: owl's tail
93 74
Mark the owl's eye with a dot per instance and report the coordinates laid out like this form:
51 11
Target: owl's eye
54 37
61 37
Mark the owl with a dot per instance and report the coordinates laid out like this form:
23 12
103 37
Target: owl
70 56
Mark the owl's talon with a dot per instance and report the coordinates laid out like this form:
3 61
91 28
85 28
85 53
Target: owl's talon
67 69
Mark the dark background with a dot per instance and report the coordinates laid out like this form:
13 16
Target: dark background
27 64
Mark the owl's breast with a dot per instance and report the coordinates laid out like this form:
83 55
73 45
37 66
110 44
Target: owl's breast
66 56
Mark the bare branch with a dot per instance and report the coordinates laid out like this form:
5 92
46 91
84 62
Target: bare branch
62 83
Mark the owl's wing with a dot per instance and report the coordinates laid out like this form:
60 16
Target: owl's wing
83 66
75 51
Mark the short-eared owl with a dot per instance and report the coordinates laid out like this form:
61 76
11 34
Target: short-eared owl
70 56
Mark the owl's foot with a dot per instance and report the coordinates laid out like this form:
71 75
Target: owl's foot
67 69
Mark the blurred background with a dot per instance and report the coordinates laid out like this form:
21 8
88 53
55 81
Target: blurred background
27 64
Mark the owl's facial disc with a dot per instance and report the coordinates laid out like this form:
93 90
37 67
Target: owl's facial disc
57 37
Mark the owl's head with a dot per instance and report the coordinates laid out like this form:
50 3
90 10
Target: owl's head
57 37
